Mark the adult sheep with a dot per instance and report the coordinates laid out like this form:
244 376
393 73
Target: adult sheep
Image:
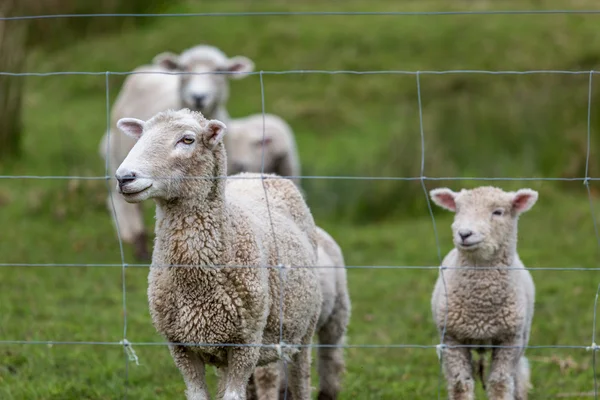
331 328
208 230
486 295
197 79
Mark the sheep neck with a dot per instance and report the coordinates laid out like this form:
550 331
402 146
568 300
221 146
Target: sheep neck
192 230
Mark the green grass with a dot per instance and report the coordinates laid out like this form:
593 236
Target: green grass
474 125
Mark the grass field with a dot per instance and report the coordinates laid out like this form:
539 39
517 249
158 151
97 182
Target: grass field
368 125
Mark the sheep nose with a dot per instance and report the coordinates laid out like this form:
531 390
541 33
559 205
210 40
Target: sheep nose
465 234
126 178
199 101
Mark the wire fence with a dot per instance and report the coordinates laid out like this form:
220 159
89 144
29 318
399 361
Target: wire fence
127 345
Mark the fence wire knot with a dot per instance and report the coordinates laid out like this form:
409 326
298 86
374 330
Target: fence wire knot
593 347
439 349
130 352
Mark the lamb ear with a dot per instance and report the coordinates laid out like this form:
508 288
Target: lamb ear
523 200
444 198
241 65
214 132
167 60
132 127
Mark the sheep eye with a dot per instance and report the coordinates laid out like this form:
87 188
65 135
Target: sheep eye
498 213
187 140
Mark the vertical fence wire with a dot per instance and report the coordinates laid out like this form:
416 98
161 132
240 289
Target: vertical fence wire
280 265
594 222
107 172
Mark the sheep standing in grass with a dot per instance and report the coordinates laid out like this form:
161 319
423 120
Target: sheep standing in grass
331 328
490 302
198 80
208 282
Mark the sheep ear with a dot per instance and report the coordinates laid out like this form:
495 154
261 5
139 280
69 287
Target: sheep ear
132 127
444 198
167 60
241 65
215 130
523 200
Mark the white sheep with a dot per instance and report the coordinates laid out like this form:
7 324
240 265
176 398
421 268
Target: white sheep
331 328
209 285
277 153
491 301
205 90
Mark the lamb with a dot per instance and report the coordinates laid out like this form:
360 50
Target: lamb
218 227
492 301
331 328
246 146
206 91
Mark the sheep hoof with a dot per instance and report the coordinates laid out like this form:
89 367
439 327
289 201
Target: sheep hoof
140 244
325 396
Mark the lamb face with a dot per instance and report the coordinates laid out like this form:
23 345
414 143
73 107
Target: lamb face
204 87
486 218
171 148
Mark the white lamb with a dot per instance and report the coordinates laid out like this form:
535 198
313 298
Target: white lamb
207 91
215 227
491 302
331 328
246 146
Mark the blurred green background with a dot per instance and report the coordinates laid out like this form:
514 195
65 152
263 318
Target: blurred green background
474 125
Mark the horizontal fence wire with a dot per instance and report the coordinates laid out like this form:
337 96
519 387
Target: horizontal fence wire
126 344
299 346
423 267
304 13
305 72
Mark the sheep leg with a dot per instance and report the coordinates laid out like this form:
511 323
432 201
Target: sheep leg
522 379
501 382
241 364
266 379
300 369
192 370
456 362
331 364
130 220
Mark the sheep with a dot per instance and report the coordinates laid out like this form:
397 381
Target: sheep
246 146
479 306
144 95
331 327
208 231
208 94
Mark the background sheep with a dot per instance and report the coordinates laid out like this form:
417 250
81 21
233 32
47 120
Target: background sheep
144 95
210 222
205 90
245 146
483 306
331 328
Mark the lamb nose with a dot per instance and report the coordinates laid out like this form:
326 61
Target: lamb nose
199 101
125 179
464 234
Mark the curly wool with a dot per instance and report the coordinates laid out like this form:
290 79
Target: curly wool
484 306
223 228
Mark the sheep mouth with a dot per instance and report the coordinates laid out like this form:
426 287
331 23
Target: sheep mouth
469 245
130 193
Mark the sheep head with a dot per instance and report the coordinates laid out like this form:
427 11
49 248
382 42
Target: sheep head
172 148
204 85
486 218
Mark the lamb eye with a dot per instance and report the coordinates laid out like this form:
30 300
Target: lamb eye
498 213
187 140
